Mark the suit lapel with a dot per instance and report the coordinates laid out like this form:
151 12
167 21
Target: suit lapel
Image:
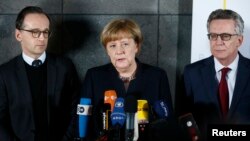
51 83
242 79
211 84
24 86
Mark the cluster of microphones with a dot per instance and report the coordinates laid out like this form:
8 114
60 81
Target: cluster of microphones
127 119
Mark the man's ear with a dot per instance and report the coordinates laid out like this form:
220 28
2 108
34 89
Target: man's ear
18 35
240 40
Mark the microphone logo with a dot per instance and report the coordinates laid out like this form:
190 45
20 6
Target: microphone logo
163 105
106 98
84 109
119 104
81 109
118 115
110 97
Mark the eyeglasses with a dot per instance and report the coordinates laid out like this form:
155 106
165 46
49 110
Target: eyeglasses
223 36
37 33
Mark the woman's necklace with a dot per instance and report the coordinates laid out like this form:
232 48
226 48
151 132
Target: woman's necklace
127 79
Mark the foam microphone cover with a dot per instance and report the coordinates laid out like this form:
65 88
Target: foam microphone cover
161 109
118 115
84 111
110 97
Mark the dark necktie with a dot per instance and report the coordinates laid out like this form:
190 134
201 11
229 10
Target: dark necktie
223 92
36 63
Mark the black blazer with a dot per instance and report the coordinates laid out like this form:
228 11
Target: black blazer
151 84
201 94
16 111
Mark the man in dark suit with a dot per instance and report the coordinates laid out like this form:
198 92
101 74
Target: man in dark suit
37 100
203 96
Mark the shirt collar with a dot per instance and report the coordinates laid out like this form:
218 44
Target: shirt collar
29 60
232 66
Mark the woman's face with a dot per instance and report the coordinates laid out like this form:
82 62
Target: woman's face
122 53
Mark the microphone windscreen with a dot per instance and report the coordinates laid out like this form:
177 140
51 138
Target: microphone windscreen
118 115
161 109
142 111
110 97
130 105
84 109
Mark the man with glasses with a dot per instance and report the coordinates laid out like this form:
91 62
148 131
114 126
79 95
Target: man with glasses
38 91
217 88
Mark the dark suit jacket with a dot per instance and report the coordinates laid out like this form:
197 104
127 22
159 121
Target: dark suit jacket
151 83
201 94
16 112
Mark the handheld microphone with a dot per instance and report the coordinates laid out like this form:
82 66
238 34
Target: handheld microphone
118 118
165 124
130 110
105 116
189 125
110 97
143 120
109 102
161 127
118 115
84 110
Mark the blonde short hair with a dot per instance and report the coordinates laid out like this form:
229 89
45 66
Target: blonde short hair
120 28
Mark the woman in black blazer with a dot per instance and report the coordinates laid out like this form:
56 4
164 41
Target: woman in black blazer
125 74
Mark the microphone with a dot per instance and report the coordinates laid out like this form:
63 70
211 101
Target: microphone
143 120
189 125
110 97
118 115
105 116
130 110
118 118
109 101
136 128
162 126
84 110
165 125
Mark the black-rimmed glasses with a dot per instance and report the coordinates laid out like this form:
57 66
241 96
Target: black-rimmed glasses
223 36
37 33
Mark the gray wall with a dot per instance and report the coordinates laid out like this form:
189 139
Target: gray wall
166 25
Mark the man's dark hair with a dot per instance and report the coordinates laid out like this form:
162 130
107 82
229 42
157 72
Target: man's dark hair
28 10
